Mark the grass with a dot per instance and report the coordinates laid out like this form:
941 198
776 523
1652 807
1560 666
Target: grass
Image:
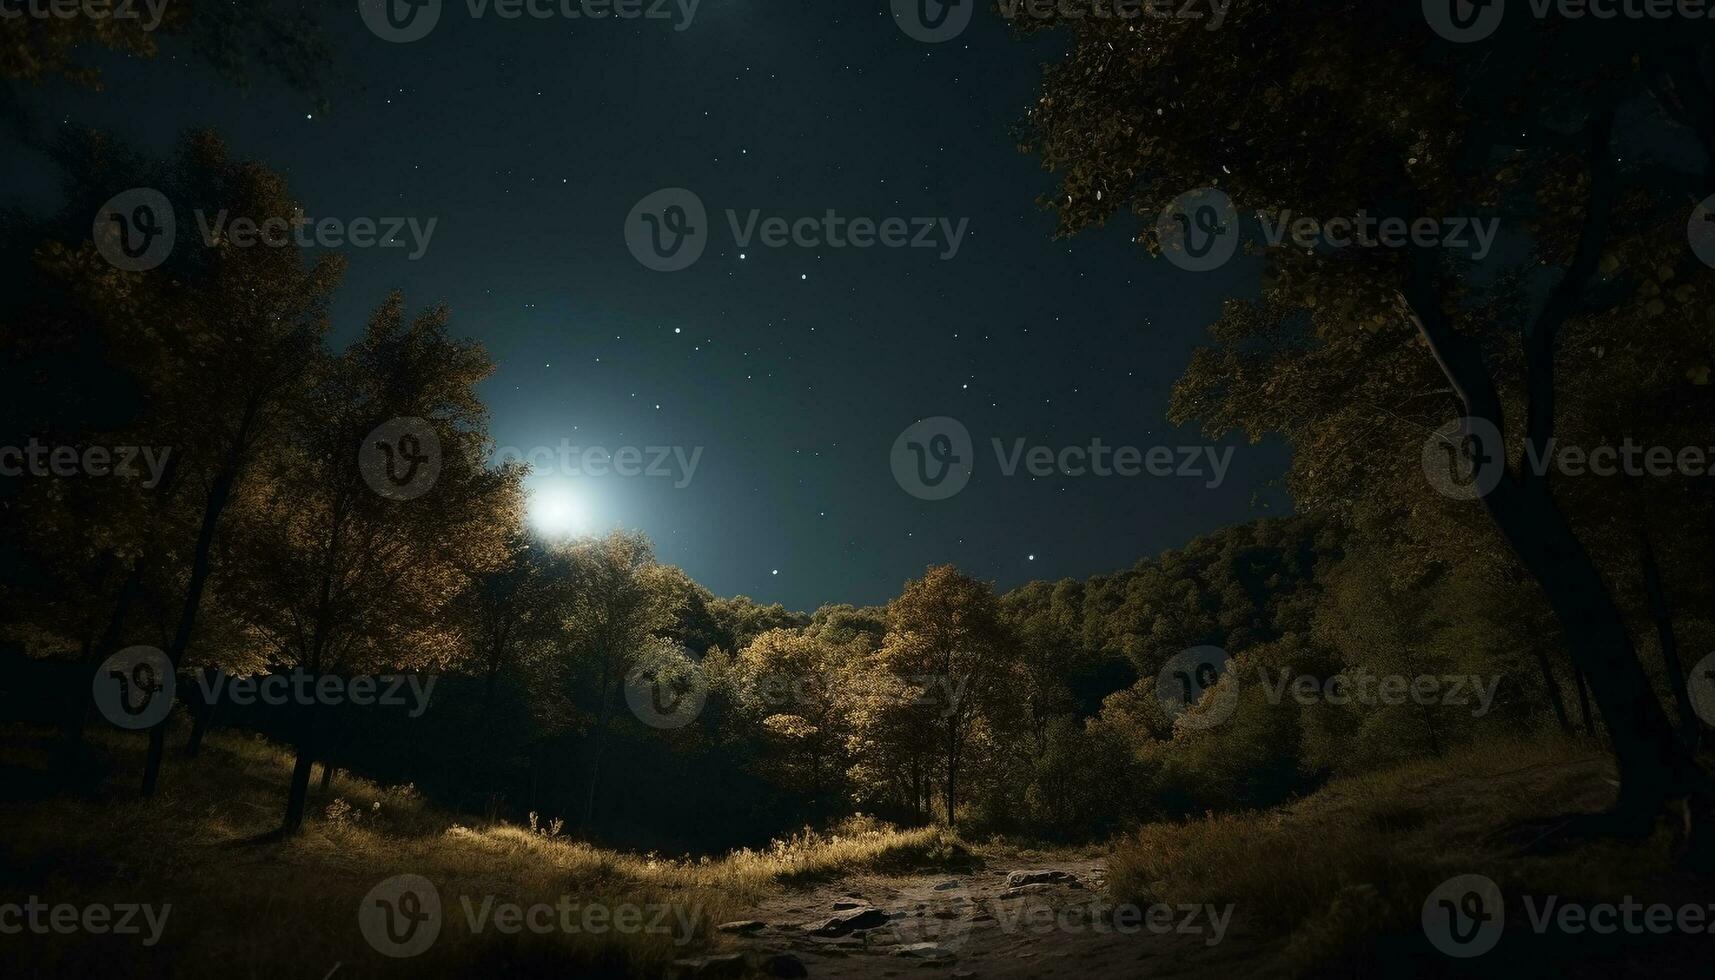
1335 882
246 905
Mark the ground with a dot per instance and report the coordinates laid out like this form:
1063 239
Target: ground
973 923
1331 884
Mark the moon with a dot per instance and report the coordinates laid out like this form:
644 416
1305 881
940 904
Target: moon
558 510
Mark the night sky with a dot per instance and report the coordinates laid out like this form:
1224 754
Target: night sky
794 369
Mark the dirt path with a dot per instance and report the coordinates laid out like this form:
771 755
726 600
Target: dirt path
998 921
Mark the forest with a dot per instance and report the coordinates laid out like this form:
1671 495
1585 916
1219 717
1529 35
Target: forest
275 610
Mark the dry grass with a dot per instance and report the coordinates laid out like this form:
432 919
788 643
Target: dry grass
1353 862
246 905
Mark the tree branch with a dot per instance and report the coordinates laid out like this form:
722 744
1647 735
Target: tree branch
1543 332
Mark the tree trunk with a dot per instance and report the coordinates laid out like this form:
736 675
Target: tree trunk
1584 702
1653 766
152 761
1690 733
596 754
327 780
219 493
297 796
952 773
77 713
76 717
202 717
1552 686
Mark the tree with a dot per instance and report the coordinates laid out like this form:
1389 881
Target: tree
212 342
1299 108
621 608
341 578
799 686
511 613
945 638
282 38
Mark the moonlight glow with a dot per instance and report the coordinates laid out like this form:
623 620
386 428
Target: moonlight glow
558 510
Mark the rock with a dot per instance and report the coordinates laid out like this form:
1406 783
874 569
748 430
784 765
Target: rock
925 951
867 917
1026 890
843 905
712 967
745 925
1019 878
782 965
